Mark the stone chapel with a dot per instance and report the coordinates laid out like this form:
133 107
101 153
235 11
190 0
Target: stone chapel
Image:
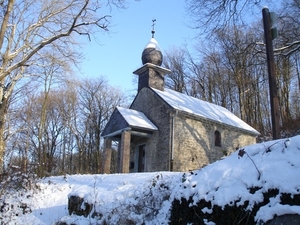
164 130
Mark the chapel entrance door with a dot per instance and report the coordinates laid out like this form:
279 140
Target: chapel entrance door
141 158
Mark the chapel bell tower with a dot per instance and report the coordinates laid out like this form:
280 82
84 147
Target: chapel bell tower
151 74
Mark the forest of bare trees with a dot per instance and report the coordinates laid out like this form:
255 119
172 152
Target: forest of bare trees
50 121
58 130
39 44
231 69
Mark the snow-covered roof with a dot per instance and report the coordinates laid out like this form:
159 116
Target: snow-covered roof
136 119
203 109
152 44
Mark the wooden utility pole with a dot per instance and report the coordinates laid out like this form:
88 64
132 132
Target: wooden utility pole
272 73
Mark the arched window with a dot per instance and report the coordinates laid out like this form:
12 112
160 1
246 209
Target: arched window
217 138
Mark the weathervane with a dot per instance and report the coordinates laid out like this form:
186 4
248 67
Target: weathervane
153 24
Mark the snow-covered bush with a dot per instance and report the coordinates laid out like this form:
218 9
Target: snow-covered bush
16 190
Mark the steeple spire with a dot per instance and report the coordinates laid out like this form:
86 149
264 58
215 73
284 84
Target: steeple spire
153 24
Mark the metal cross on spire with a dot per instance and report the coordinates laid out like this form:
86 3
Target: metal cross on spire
153 24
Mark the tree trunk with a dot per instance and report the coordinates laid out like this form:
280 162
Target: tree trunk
5 20
2 151
3 113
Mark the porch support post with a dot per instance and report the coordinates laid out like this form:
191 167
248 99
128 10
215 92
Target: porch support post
125 151
107 155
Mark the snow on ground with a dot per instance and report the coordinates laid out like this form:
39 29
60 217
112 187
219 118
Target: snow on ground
108 193
274 164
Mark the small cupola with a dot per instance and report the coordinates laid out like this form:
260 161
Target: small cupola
152 53
151 74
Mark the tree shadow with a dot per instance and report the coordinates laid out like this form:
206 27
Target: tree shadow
52 214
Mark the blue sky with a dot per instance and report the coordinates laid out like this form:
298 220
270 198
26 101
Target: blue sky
118 54
115 55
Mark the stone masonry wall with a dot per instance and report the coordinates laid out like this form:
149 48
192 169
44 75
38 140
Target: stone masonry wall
157 154
194 145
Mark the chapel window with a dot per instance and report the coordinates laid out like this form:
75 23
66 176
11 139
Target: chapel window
217 138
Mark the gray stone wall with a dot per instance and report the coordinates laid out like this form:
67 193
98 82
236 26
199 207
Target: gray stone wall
158 149
194 145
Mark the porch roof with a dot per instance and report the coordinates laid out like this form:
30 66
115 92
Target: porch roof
127 119
136 119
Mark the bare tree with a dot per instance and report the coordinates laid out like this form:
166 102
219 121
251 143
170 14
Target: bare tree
175 60
210 15
31 29
97 100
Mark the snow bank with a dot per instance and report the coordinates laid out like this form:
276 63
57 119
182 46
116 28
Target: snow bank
273 165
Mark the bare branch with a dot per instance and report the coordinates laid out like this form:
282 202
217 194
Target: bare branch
50 40
279 51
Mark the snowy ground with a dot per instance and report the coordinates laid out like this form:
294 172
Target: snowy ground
147 197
